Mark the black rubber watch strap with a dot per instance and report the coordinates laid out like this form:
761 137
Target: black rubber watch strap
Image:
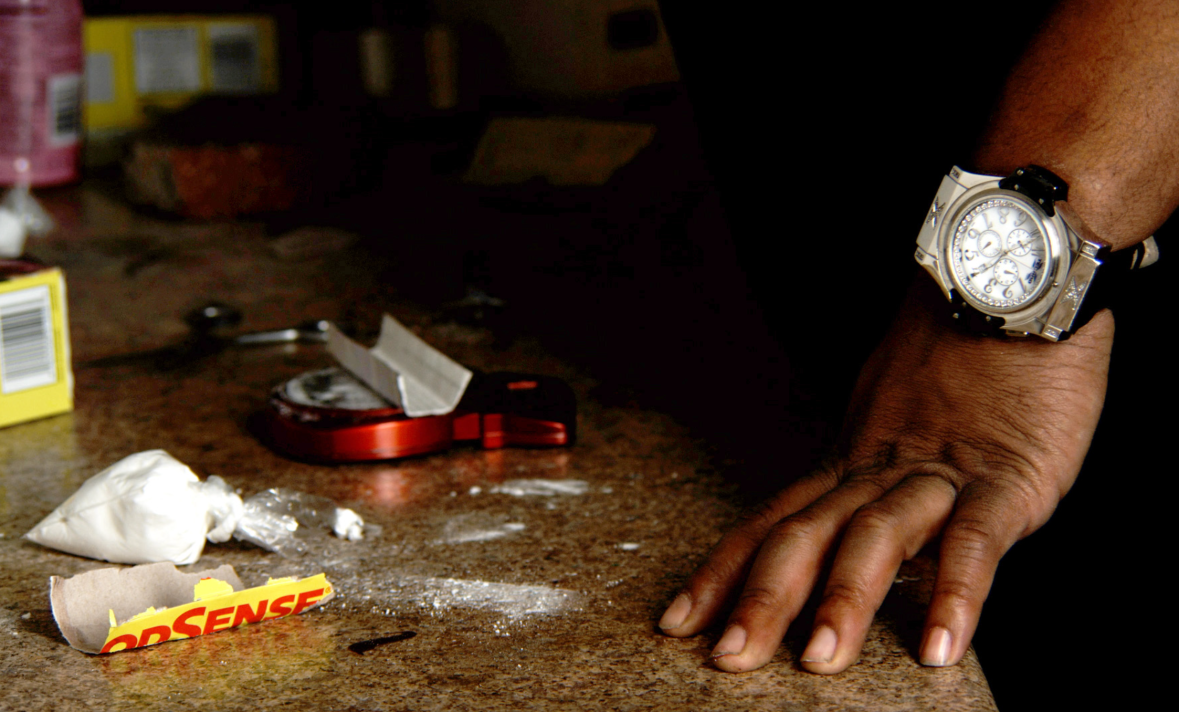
1039 184
1109 282
1108 273
973 321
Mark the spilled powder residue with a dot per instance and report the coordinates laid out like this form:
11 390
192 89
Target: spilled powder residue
437 596
540 488
513 601
477 527
8 623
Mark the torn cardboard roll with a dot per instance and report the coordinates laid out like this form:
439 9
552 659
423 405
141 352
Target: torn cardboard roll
110 610
404 369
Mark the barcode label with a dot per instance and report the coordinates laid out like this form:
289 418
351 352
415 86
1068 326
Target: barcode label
27 356
233 59
64 93
167 60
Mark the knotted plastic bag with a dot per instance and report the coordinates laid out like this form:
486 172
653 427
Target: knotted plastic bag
150 507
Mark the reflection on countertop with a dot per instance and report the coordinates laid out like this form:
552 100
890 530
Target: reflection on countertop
520 597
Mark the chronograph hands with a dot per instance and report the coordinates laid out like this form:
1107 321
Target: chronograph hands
997 252
1002 257
1007 253
994 262
1011 251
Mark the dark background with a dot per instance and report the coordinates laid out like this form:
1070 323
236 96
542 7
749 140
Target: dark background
829 132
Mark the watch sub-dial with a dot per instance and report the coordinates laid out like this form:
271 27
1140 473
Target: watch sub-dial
989 243
1019 242
999 254
1006 272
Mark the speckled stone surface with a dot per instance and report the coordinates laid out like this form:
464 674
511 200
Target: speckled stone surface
515 602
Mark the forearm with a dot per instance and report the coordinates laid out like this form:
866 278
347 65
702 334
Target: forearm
1096 100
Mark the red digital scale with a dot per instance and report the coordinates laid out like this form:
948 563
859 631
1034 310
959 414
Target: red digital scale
330 416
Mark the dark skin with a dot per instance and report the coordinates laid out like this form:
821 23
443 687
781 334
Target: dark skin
951 437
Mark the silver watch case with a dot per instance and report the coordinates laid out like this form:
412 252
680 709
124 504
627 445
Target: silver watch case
1071 259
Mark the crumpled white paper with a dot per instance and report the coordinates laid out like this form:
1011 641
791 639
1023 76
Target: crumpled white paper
150 507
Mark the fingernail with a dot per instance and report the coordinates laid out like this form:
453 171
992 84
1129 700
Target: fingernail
822 646
676 613
936 651
731 643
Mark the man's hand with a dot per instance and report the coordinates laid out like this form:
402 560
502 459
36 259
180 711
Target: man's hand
968 438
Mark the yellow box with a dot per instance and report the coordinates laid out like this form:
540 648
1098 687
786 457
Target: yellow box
36 379
137 63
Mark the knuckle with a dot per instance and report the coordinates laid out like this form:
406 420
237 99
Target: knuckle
1021 478
877 520
971 538
1002 460
756 598
800 530
715 571
758 518
958 591
1028 495
746 538
845 595
867 458
828 470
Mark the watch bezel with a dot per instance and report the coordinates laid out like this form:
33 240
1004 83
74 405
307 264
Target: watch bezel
1058 259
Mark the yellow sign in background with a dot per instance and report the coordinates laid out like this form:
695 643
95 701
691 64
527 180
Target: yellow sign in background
134 64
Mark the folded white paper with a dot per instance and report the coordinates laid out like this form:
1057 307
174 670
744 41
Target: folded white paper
404 369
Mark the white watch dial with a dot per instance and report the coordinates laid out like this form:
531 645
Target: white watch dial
999 254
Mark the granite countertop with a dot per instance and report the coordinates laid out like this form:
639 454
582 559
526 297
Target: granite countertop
514 601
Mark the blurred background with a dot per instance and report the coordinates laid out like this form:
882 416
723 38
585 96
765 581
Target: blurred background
532 167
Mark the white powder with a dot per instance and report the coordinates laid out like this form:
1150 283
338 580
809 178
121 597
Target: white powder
348 525
541 488
477 527
149 507
145 508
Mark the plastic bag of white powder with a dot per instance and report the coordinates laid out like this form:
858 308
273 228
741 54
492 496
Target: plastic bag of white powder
150 507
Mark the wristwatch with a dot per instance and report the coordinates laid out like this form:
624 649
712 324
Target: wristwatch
1013 259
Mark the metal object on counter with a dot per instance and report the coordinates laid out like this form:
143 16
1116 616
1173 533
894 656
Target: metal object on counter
216 316
329 416
208 325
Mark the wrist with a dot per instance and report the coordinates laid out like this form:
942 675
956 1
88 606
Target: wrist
927 319
1013 256
1120 208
